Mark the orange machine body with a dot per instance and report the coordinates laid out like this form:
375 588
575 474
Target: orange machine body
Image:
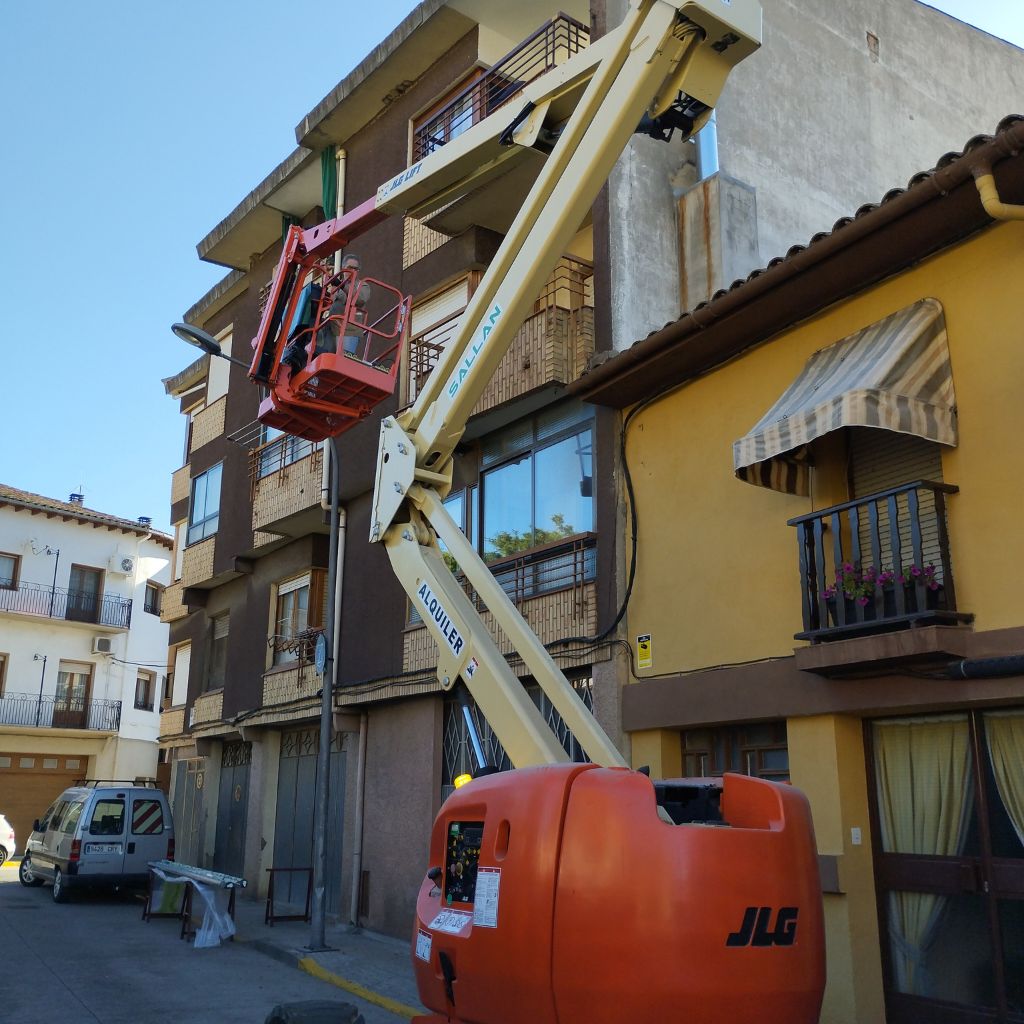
563 898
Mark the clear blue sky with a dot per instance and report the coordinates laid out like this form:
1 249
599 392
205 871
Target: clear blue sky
130 130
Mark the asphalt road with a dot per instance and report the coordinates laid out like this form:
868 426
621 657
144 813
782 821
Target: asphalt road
94 959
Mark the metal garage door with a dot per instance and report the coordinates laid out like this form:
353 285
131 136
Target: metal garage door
293 834
187 808
233 797
29 783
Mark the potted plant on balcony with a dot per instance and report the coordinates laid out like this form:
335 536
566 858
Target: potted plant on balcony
857 587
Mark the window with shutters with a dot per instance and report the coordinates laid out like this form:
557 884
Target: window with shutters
299 615
881 460
217 664
434 320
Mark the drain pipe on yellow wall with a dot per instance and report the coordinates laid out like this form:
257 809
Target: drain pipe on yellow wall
994 206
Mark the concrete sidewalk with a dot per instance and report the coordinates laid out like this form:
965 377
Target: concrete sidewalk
374 969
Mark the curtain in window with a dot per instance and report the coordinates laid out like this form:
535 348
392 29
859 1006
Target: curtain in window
924 802
1005 733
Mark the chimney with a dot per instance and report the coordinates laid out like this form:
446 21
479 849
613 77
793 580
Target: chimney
76 499
145 521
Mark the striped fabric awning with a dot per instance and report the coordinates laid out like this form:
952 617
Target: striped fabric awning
894 375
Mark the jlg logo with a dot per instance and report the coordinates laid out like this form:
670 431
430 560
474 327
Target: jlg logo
757 930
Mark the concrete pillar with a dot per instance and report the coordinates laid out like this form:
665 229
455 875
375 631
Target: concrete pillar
261 810
661 750
609 677
718 228
211 750
826 758
643 239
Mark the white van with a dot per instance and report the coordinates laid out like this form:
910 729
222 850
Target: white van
98 834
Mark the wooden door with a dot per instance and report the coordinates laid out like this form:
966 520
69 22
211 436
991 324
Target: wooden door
71 705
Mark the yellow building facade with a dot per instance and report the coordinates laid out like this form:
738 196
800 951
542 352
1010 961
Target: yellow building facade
774 637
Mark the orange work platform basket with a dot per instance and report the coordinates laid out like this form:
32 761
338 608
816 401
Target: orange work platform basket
325 354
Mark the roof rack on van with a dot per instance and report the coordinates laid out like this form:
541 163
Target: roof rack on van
93 783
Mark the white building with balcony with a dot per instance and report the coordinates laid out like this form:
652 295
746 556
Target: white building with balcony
82 649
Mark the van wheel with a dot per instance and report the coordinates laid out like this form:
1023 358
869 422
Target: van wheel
3 856
60 892
26 875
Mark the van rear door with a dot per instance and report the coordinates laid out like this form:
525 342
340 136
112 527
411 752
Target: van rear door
103 836
149 832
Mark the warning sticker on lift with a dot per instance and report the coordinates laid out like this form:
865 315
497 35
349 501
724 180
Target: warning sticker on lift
424 941
488 887
451 921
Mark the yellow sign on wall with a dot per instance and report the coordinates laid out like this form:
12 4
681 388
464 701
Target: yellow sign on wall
644 651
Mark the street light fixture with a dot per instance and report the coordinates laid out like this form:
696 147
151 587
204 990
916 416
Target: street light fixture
198 338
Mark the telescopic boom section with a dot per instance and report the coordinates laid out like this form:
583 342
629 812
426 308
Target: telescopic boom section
662 69
667 60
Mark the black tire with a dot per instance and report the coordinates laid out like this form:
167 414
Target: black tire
60 889
26 875
3 856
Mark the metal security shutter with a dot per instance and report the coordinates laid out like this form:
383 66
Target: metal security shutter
29 783
440 307
293 831
187 811
880 459
232 804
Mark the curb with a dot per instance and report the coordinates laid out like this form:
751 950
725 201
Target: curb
310 966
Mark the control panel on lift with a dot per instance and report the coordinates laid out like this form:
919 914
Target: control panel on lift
461 861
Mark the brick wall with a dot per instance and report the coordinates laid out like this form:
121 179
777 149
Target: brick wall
208 425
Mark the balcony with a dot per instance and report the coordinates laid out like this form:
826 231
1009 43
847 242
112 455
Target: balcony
285 478
551 348
552 44
172 721
172 607
31 711
105 610
551 585
497 178
877 564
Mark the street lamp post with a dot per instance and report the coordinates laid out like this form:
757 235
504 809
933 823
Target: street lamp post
322 792
321 797
42 679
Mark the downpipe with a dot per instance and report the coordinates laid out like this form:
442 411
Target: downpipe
985 668
357 825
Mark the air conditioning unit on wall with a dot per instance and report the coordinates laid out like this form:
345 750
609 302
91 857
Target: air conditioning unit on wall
124 565
102 645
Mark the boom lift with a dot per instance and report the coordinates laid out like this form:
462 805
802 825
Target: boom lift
558 892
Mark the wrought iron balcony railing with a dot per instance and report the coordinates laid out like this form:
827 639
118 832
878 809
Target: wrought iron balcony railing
72 605
877 563
55 712
552 44
275 455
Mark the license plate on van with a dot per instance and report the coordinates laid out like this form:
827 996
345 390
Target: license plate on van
102 847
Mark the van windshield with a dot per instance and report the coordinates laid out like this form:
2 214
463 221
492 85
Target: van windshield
107 818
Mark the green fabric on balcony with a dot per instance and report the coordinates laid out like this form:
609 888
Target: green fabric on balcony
329 182
894 375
